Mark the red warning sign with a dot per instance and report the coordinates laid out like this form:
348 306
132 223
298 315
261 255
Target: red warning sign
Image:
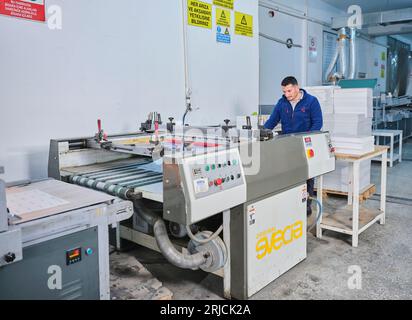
25 9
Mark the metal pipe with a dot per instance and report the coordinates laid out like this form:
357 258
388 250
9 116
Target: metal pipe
342 54
147 177
115 168
132 177
278 40
352 68
332 63
118 174
102 173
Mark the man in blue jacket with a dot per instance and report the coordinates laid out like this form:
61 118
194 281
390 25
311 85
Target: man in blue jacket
297 111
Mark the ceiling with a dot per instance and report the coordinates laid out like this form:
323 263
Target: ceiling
371 6
368 6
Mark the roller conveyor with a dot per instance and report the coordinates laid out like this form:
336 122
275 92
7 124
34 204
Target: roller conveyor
120 180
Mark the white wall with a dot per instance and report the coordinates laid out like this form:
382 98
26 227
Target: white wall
276 60
114 60
224 78
56 84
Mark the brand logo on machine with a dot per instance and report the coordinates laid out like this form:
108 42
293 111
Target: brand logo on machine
273 239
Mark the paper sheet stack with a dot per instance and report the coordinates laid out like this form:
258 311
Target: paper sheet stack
347 115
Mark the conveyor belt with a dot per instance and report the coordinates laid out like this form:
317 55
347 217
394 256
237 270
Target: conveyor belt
120 180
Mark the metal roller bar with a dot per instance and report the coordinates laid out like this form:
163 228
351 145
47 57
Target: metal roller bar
132 181
146 182
118 182
110 172
119 174
117 167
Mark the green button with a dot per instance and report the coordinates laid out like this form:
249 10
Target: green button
213 167
207 168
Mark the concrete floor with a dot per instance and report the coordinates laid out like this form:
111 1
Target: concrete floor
384 256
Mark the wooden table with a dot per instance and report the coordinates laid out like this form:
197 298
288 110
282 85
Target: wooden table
353 219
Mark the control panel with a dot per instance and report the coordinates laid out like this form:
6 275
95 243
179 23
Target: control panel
73 256
202 185
320 154
215 176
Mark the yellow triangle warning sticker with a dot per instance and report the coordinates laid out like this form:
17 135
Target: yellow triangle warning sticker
243 24
223 17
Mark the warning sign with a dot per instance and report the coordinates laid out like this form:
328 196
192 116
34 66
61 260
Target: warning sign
223 17
25 9
199 14
243 24
224 3
223 35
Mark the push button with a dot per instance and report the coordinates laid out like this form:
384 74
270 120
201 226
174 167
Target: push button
310 153
218 182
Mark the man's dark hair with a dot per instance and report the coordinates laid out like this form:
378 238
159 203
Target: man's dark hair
289 80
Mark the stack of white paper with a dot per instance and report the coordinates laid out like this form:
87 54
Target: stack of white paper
347 115
325 97
347 124
359 101
356 145
338 179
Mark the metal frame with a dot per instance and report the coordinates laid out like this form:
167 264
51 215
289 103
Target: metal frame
353 195
99 216
391 134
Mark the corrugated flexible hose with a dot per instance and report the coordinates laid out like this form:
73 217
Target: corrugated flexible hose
181 260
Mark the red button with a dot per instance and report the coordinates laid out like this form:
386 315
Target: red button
218 182
310 153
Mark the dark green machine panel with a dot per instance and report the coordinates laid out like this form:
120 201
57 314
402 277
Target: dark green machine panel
75 254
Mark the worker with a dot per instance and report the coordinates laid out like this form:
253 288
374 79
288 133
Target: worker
298 112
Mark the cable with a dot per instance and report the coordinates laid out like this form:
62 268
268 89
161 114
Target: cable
203 241
319 214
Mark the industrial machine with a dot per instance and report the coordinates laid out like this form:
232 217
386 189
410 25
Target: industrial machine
54 240
185 182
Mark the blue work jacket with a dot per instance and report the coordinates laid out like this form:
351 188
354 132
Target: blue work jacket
307 115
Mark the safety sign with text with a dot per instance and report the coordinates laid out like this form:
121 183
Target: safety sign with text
224 3
223 17
223 35
25 9
243 24
199 14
